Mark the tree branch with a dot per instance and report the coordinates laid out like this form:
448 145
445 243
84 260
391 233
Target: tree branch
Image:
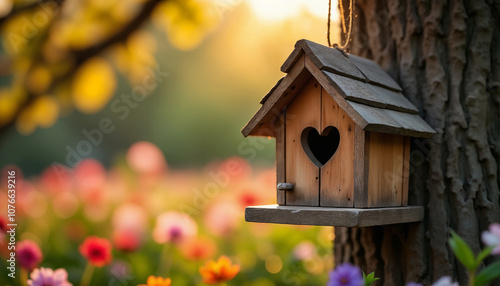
27 7
83 55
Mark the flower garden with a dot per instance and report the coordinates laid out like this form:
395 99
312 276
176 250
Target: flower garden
140 222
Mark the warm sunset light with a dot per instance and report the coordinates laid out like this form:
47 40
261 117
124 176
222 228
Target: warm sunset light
276 10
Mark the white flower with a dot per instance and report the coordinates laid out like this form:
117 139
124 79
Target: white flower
445 281
492 237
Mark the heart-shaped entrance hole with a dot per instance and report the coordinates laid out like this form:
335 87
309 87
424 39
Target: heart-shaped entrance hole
320 147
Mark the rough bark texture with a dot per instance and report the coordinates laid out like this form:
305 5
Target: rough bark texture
445 54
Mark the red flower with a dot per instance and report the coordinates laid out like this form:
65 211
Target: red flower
28 254
96 250
3 225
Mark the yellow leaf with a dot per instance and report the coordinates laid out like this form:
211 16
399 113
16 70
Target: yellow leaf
135 55
186 22
24 123
8 106
44 111
93 85
39 79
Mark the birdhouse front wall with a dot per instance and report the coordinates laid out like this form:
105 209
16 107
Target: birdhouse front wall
328 181
366 169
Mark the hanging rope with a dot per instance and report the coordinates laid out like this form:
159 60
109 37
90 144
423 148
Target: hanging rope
343 47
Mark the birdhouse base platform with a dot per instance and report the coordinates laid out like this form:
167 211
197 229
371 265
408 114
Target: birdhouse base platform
347 217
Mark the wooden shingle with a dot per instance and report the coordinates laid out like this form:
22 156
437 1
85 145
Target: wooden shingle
367 94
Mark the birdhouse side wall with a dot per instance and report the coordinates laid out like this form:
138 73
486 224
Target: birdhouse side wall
386 172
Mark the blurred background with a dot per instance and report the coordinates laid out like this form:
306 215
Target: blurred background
220 62
118 114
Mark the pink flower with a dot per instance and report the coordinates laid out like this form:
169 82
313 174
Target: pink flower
48 277
90 175
222 218
28 254
126 240
304 250
129 216
492 237
56 178
174 227
146 158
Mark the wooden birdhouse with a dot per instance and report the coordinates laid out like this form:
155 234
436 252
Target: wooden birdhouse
342 129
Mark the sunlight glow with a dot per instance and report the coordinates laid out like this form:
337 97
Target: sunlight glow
276 10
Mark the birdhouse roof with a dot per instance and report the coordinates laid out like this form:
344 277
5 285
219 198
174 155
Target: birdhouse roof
372 99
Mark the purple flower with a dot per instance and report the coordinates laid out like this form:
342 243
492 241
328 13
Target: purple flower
492 237
413 284
346 275
49 277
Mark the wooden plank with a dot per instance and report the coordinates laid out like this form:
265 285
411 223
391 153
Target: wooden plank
292 59
374 73
334 93
412 124
337 178
262 123
406 171
280 158
330 59
385 170
391 121
360 196
354 90
346 217
370 94
263 100
303 112
392 99
376 118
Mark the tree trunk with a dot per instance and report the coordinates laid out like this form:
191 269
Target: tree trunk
445 54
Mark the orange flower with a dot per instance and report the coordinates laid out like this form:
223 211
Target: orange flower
222 270
157 281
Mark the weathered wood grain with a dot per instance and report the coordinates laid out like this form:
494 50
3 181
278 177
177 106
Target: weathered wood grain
337 178
391 121
406 171
334 93
303 173
385 176
360 195
280 158
374 73
347 217
324 58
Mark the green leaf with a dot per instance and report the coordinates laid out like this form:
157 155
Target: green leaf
483 255
370 278
462 251
488 274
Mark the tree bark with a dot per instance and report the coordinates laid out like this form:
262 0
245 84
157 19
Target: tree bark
445 54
